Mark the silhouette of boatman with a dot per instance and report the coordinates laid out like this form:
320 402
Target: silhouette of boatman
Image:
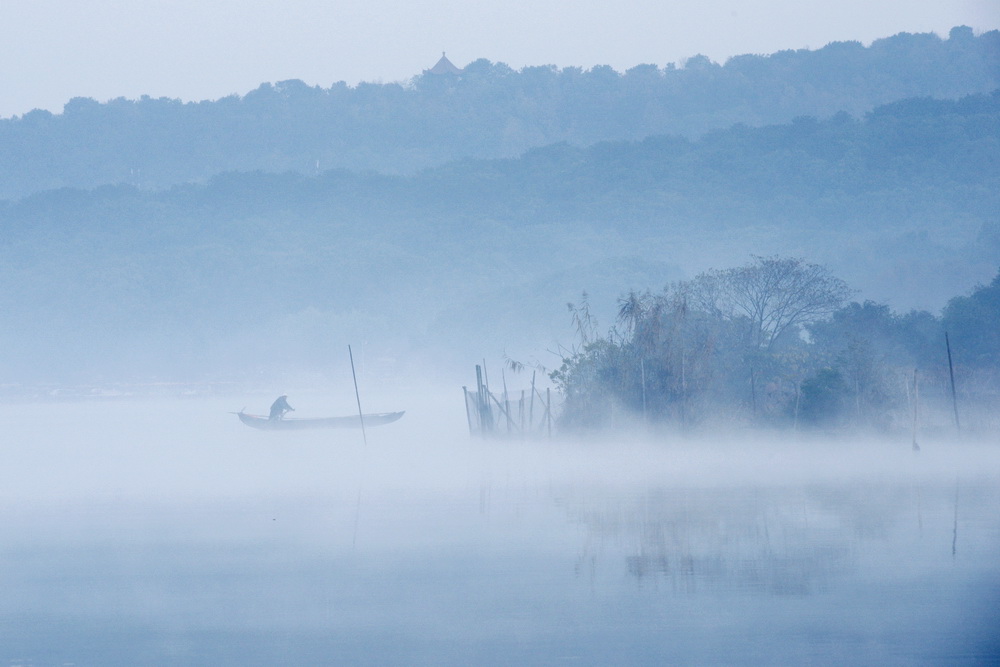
280 407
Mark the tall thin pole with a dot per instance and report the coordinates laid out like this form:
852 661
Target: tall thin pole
951 374
506 400
916 398
520 413
485 423
357 395
468 415
531 406
684 388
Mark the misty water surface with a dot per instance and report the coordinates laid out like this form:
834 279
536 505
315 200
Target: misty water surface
165 532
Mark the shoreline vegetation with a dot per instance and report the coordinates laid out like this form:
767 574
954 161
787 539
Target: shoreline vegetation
774 344
153 247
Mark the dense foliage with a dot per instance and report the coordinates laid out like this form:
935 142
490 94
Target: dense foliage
489 110
976 319
771 342
902 203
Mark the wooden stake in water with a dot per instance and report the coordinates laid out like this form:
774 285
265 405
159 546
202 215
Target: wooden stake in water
531 406
468 415
951 374
357 395
506 400
916 397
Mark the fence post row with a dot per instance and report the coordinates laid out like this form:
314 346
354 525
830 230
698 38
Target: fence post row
490 416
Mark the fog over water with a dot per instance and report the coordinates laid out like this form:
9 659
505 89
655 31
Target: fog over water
734 245
165 532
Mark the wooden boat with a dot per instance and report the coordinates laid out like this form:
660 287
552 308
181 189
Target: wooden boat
297 423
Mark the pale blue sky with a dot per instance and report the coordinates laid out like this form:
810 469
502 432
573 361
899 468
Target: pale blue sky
53 50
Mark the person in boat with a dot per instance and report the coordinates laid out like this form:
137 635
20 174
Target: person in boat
280 407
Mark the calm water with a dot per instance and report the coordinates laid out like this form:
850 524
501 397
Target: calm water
161 533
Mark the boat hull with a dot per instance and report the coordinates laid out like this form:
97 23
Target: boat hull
298 424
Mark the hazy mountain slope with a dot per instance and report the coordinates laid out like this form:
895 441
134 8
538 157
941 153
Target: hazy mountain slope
254 271
488 111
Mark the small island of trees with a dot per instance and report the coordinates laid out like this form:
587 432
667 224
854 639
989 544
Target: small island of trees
777 343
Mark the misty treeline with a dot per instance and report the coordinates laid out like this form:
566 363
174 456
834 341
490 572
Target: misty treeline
777 342
261 268
487 111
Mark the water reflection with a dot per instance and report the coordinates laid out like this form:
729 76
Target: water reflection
233 548
726 539
872 569
784 541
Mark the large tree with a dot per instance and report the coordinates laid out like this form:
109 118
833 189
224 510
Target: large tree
772 296
699 342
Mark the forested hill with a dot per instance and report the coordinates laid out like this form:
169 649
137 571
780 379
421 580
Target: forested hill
481 256
487 111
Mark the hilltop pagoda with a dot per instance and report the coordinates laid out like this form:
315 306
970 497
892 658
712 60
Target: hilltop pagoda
443 67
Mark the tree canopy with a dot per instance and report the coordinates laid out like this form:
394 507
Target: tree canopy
974 322
488 111
682 360
901 203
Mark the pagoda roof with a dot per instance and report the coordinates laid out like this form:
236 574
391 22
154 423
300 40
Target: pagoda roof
443 66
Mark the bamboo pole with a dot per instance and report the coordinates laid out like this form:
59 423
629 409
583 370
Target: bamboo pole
684 390
506 398
357 395
951 374
483 405
916 447
531 406
468 415
506 414
520 411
